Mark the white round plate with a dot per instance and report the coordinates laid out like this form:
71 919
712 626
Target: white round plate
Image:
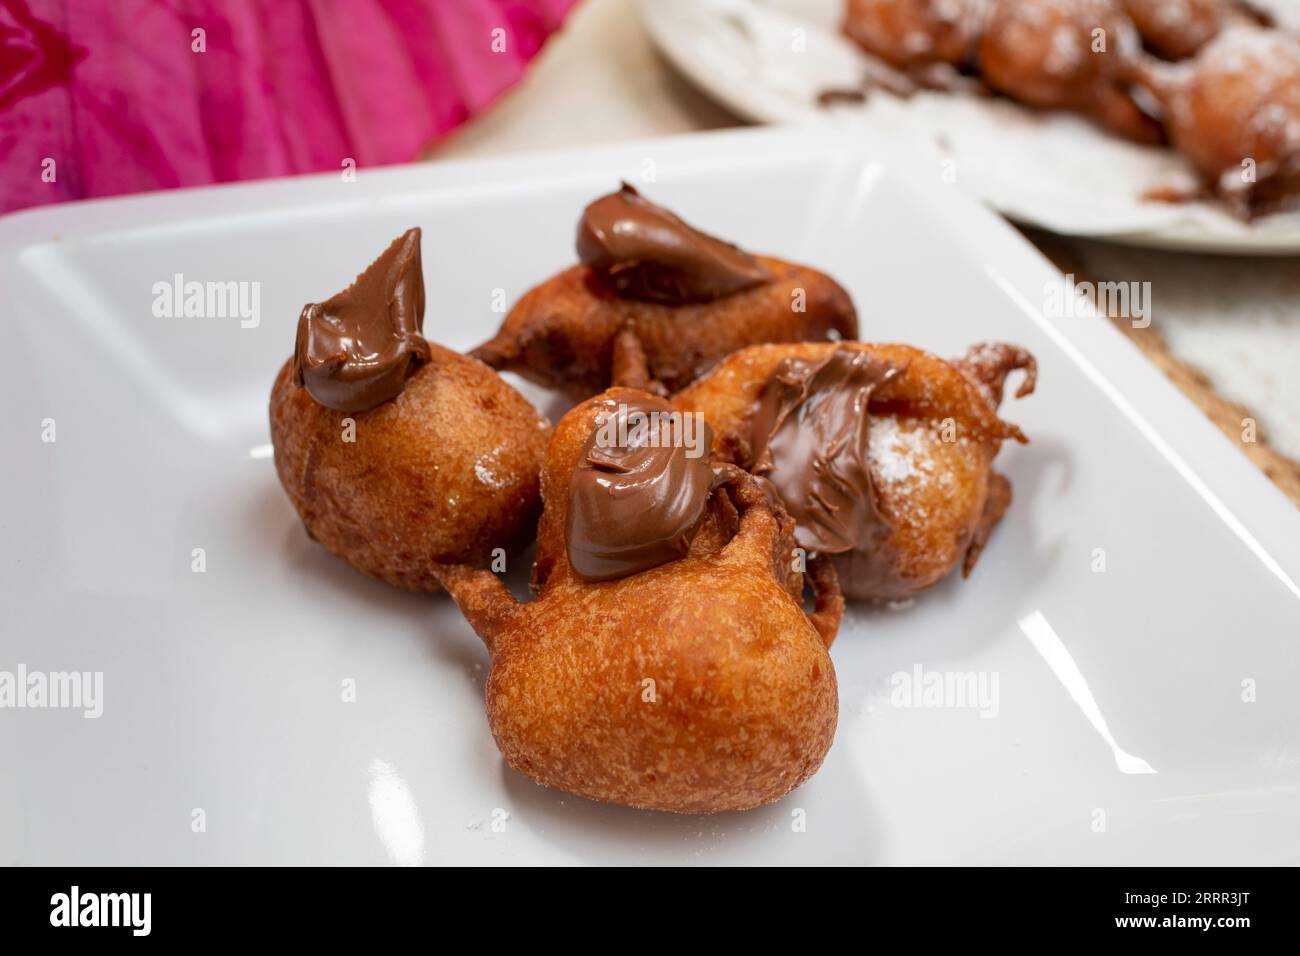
767 60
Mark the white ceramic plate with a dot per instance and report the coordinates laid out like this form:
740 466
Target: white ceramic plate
767 60
1118 693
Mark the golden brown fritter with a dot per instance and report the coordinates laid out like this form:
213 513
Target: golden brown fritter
1234 112
934 432
562 333
445 472
1176 29
696 686
1067 54
915 33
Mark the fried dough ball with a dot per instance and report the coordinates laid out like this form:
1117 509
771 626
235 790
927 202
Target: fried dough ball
1176 29
1234 112
570 332
654 293
933 434
699 685
1067 54
445 472
916 33
398 453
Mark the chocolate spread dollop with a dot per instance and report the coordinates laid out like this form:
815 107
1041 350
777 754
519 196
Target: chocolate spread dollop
640 489
356 350
645 252
810 429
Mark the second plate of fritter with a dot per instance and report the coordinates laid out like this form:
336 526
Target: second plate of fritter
1049 134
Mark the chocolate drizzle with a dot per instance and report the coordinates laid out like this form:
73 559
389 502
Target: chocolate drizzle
643 251
809 435
639 491
355 351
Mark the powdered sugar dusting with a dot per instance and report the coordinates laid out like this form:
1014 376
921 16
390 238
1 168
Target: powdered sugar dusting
1250 51
897 455
485 470
1174 14
1065 52
984 355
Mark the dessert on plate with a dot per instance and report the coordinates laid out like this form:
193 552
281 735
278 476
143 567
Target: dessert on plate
667 661
654 293
1176 29
693 553
1215 79
883 454
398 453
1234 111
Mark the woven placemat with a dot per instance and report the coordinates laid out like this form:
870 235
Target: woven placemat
1230 417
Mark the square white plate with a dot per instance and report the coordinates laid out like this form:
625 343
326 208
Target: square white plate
1146 713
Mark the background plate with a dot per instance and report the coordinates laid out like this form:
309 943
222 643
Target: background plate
1119 698
1052 170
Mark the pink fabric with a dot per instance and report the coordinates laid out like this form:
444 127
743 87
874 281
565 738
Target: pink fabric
114 94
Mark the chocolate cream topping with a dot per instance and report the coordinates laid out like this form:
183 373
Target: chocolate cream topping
639 491
645 252
810 429
356 350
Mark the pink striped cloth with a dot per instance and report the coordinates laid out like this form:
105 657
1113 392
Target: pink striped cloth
99 97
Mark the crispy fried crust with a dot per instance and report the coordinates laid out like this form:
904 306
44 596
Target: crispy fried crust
935 432
445 472
1176 29
911 33
1046 54
561 334
1233 111
697 686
